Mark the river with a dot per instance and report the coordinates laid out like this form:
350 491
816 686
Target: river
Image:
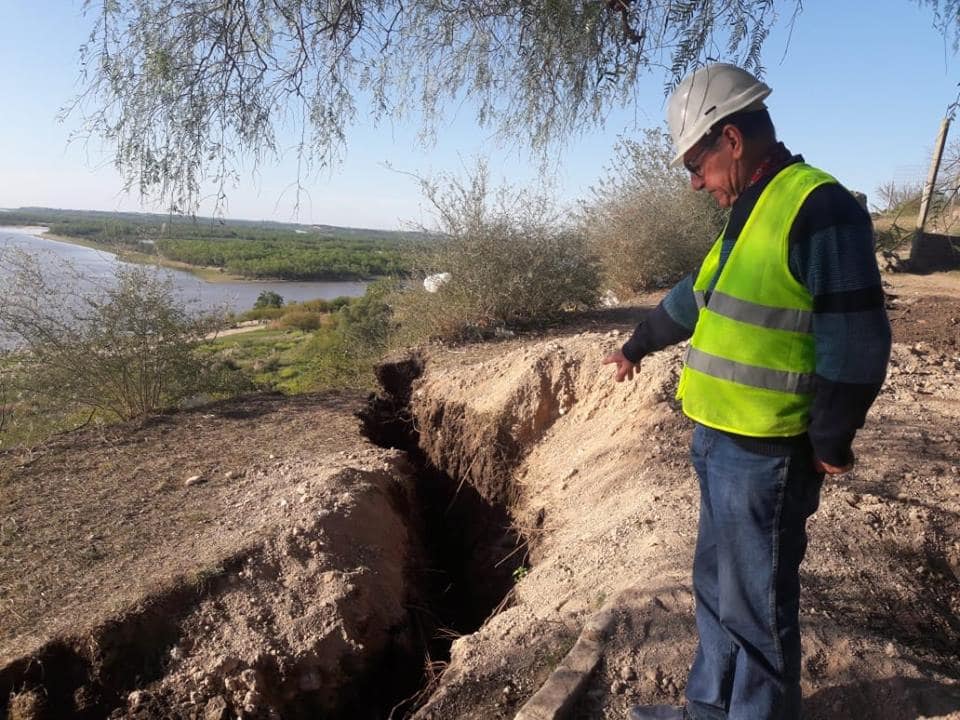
97 265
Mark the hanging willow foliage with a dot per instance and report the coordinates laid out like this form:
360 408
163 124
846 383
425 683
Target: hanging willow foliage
182 90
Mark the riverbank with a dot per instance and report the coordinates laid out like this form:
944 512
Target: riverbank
69 259
207 274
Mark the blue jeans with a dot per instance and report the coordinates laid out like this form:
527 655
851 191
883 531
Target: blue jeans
752 538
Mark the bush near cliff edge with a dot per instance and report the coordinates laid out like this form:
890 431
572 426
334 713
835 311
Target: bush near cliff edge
119 350
645 224
512 259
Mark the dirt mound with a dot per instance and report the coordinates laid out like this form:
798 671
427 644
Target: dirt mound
252 557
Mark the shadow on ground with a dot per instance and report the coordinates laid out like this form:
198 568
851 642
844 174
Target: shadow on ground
895 698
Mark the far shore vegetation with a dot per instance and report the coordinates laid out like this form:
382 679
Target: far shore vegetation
226 250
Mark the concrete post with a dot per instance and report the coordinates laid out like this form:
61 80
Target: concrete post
928 188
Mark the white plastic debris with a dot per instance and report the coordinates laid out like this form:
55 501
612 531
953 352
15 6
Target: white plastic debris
432 283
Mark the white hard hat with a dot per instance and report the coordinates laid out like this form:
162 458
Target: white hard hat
705 97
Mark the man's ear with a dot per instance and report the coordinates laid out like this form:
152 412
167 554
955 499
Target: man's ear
732 135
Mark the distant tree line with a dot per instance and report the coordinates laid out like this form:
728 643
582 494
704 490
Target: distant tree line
244 249
288 258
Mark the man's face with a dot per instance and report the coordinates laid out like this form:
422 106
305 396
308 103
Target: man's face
712 167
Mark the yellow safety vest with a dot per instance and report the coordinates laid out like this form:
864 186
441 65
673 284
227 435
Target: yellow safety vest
749 369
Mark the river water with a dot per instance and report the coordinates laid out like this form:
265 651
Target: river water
97 266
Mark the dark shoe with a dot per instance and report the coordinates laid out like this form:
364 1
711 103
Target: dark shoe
657 712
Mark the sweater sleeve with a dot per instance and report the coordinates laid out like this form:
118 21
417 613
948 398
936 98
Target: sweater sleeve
832 254
672 321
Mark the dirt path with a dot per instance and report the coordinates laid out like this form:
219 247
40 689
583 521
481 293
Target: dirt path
239 330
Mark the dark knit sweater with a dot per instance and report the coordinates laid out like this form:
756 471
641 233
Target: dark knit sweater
831 253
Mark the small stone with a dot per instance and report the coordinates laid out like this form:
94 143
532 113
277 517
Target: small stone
193 480
231 474
228 663
249 678
618 687
137 698
232 684
215 709
890 650
627 673
251 701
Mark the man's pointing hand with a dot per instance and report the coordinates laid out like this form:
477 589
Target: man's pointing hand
625 368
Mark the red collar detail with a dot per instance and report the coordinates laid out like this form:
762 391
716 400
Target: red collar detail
775 160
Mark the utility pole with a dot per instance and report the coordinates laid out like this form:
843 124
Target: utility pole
928 252
932 178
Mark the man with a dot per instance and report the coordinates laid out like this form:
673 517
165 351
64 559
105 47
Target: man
789 346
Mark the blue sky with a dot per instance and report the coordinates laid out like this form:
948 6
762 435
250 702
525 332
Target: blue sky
860 90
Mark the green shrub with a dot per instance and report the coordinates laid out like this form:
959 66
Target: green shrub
644 222
321 305
318 305
268 299
345 354
123 350
366 323
266 313
302 320
512 261
331 363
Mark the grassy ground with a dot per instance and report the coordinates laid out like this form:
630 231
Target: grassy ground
27 425
273 357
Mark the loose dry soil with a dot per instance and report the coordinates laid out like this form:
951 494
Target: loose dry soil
307 571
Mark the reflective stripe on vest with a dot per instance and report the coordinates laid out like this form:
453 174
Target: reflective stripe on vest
762 315
718 367
751 361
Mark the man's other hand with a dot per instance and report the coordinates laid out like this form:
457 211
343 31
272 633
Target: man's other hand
829 469
625 368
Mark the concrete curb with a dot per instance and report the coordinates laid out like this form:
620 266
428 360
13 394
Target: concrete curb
559 694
